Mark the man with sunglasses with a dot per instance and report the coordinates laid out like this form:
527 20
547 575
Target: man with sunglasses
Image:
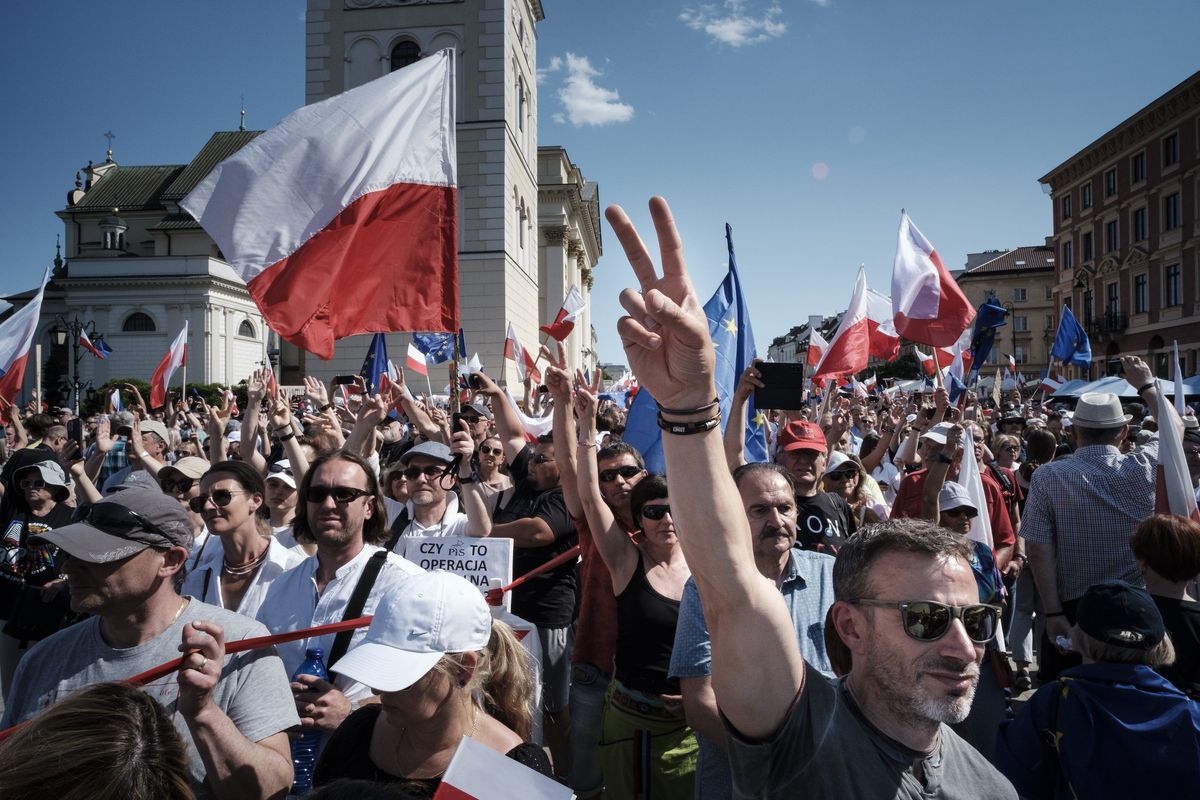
907 607
125 559
341 510
432 509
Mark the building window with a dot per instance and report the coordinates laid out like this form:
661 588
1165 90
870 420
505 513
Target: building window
1110 182
1068 254
1087 247
1020 323
1111 236
1066 207
1139 224
1170 147
1141 293
1019 354
405 53
522 103
522 222
1049 292
1049 321
137 322
1085 196
1137 167
246 329
1019 295
1172 286
1171 218
1112 299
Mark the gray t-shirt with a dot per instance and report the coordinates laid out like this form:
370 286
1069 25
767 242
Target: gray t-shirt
253 689
826 748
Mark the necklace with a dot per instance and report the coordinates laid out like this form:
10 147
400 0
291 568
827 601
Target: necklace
239 570
182 606
469 734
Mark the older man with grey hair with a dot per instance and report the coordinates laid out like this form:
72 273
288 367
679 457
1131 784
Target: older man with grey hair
125 558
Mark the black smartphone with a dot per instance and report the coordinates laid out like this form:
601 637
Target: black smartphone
75 430
783 386
474 381
345 380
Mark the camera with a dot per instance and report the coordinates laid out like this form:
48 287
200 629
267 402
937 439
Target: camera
474 381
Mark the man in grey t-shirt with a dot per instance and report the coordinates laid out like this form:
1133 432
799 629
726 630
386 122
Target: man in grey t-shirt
232 712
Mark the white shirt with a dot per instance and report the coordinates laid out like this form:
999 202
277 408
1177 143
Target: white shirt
452 523
204 581
293 603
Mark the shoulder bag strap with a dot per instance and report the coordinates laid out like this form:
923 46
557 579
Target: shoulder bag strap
358 600
398 526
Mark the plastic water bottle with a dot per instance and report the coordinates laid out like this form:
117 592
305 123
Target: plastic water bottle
305 746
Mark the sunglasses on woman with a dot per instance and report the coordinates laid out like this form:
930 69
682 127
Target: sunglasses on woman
655 512
30 484
180 485
841 474
628 471
928 621
961 511
219 497
491 451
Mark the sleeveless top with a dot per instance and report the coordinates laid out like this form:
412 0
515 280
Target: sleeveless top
645 636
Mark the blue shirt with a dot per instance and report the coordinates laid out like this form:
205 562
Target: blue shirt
808 591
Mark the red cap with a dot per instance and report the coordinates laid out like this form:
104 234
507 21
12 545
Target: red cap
802 435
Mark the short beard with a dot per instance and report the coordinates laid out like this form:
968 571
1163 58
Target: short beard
909 700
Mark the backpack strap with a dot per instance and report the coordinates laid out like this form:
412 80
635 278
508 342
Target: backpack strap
399 524
358 600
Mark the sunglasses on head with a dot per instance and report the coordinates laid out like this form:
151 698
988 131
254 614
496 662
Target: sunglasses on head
340 494
491 451
179 485
118 520
278 468
33 483
655 512
219 497
928 621
626 472
430 471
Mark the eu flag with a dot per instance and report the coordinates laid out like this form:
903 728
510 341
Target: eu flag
991 315
733 338
1071 345
439 347
375 364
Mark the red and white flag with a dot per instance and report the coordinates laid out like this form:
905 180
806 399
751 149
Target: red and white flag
477 772
885 342
89 345
1174 492
16 337
927 305
416 360
850 346
342 218
175 358
532 426
515 352
930 364
564 323
968 476
1012 363
816 348
1050 384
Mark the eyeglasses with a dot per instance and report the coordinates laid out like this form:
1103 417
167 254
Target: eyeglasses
180 485
29 484
928 621
412 473
219 497
278 468
1011 447
961 511
340 494
655 512
628 471
841 474
491 451
470 420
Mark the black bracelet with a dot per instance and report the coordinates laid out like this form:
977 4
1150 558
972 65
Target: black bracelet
291 435
688 428
1145 386
325 407
472 478
686 411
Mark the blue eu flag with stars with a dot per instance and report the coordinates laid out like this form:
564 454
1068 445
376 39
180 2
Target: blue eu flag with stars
375 364
733 338
439 347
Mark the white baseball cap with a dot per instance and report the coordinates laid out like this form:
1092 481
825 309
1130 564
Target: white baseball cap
427 616
282 471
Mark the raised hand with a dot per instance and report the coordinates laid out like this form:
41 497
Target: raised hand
751 379
665 334
558 379
315 391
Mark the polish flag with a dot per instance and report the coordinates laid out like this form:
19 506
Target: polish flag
564 323
416 360
16 337
927 305
1050 384
848 351
533 427
1174 493
969 476
90 346
1012 363
341 218
272 385
816 348
175 358
477 772
515 352
885 342
927 362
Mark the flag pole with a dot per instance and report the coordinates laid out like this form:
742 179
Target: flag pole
454 407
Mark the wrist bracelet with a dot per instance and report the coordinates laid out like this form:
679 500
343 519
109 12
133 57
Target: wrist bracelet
325 407
688 428
1145 386
587 444
291 435
472 478
686 411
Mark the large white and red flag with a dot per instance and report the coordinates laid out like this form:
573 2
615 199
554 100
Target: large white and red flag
816 348
514 351
533 427
416 360
175 358
850 346
885 342
927 304
564 323
1174 492
341 218
477 772
16 337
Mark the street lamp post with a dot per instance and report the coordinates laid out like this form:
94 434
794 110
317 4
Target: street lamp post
68 332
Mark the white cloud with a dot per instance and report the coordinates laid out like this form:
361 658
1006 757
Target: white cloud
732 24
543 74
585 102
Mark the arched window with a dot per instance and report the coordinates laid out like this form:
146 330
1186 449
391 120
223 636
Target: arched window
246 329
405 53
523 223
522 103
137 322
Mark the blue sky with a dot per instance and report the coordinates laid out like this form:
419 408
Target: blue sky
806 124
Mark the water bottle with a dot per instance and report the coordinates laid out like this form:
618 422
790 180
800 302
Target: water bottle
305 746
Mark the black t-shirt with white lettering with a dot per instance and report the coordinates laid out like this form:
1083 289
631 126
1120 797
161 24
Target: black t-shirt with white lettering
824 522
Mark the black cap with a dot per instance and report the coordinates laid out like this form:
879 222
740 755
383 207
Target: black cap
1121 615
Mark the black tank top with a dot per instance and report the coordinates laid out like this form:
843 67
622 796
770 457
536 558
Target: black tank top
645 636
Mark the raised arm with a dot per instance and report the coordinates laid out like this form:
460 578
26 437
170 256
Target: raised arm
735 426
665 337
935 478
284 424
558 381
255 388
508 427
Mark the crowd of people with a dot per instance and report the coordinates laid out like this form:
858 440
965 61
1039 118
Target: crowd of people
909 598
